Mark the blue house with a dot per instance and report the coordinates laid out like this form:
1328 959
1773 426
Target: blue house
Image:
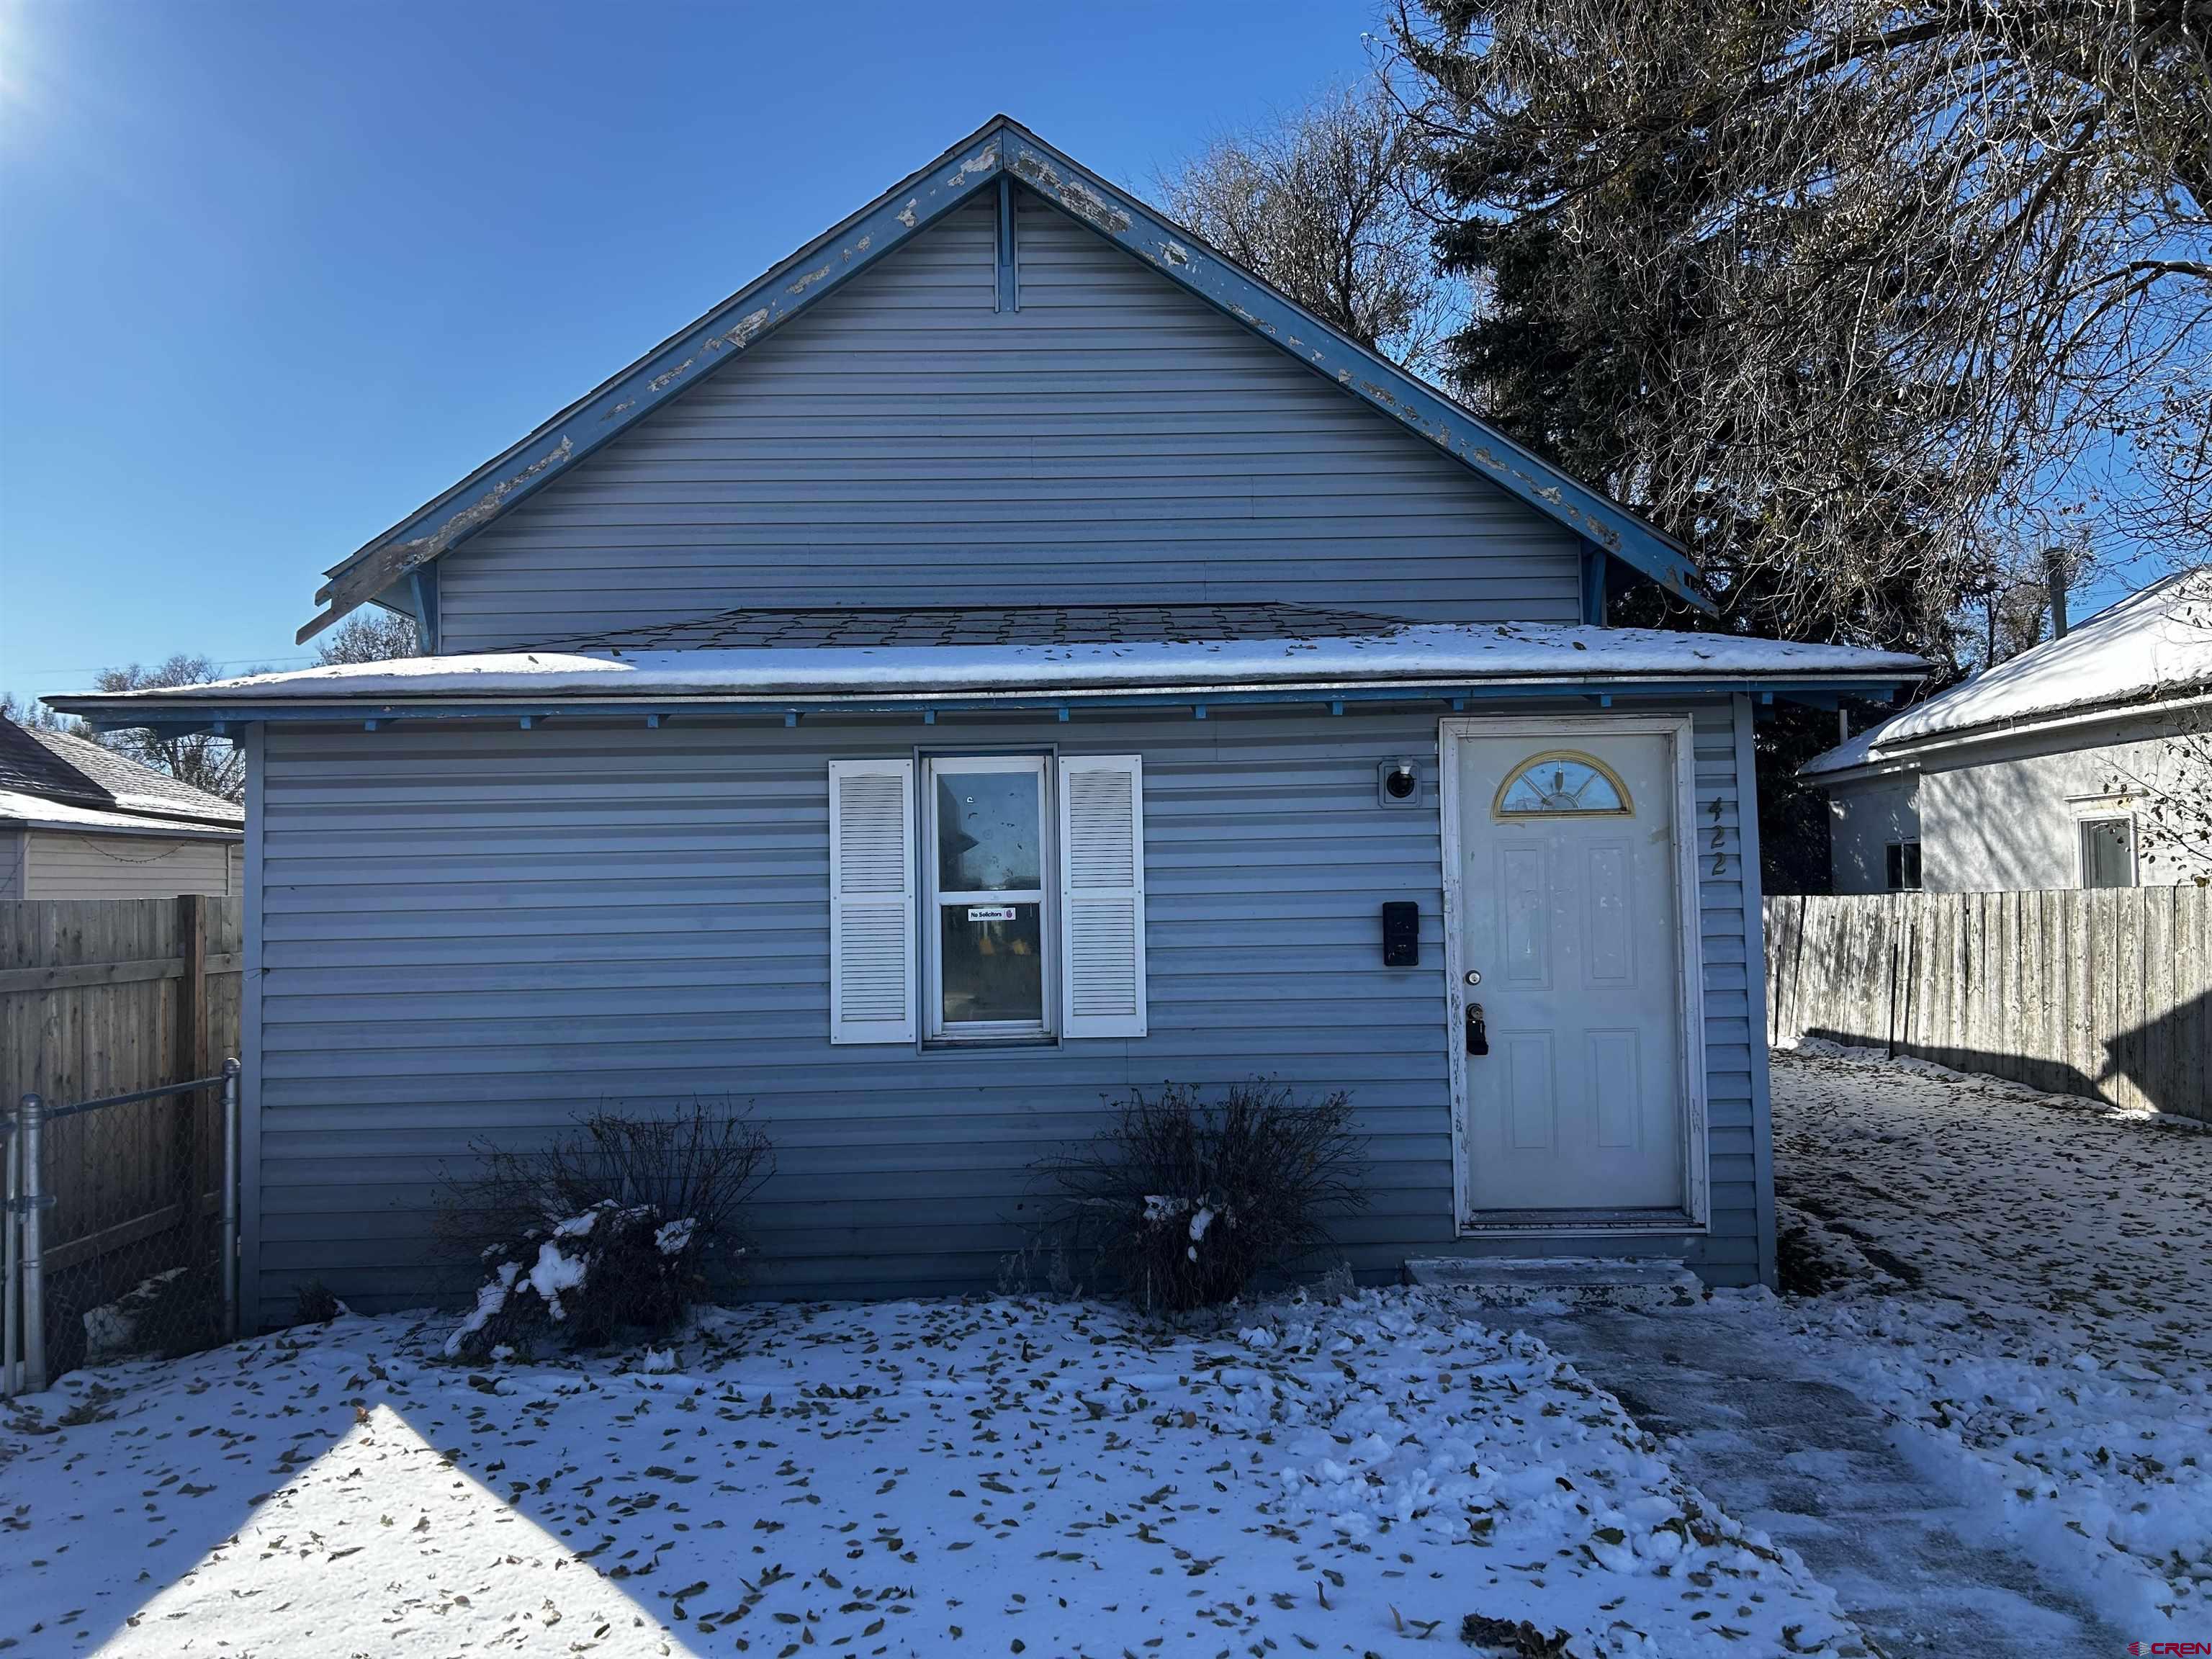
1004 656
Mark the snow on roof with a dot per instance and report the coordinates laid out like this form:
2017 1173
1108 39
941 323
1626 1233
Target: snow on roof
1423 651
2152 645
130 787
37 812
1858 751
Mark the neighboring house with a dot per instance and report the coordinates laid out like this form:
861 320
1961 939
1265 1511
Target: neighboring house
2036 773
1004 657
78 821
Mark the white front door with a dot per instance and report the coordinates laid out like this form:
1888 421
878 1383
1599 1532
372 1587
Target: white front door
1569 1010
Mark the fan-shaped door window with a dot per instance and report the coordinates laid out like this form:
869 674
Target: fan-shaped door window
1561 783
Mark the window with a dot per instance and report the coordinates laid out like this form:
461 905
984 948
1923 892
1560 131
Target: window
2108 852
1002 899
1903 867
1560 784
985 930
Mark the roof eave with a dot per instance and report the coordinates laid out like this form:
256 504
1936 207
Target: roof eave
1905 754
127 713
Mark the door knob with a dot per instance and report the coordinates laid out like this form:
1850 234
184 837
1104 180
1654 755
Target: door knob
1477 1034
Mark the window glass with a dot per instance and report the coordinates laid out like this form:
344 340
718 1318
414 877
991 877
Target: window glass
1903 867
1559 784
988 834
2108 853
992 963
986 946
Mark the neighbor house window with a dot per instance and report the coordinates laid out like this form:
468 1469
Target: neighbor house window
986 898
987 933
2108 852
1904 865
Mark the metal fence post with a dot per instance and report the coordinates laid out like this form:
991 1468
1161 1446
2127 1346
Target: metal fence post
8 1265
230 1069
30 1117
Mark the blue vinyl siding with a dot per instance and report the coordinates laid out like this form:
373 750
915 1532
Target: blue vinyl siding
471 932
905 443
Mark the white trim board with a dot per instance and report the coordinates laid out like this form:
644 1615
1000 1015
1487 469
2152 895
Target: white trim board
252 914
1690 1080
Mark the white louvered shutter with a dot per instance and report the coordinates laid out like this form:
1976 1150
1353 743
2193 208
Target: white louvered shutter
871 877
1101 886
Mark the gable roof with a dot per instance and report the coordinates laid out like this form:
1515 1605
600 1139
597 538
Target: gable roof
1002 151
2150 647
76 777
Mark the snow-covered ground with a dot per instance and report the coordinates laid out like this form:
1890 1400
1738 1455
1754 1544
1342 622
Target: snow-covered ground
990 1477
2026 1281
2022 1283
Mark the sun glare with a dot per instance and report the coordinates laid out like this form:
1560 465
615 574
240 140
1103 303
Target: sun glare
16 73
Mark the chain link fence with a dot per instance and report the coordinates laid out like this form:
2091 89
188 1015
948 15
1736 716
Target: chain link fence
122 1228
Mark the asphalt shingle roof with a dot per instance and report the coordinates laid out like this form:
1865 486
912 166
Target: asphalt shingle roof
1049 625
78 772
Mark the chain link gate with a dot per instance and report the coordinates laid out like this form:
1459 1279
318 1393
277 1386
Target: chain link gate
121 1228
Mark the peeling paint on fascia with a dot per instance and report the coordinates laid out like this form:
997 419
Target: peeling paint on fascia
984 161
622 408
906 214
858 248
1088 204
1077 197
420 551
735 338
1176 253
807 281
748 326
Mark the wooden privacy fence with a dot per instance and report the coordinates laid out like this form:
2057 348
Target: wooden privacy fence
102 997
2106 994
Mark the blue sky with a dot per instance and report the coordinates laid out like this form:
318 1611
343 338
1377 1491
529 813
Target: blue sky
272 276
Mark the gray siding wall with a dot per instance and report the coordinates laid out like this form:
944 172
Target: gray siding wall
1863 818
2006 817
903 444
62 863
465 932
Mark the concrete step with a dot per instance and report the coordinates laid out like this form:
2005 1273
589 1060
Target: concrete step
1568 1282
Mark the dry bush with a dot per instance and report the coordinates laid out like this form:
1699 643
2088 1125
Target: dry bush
626 1225
1184 1203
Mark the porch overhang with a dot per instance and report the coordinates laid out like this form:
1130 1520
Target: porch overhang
1335 697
